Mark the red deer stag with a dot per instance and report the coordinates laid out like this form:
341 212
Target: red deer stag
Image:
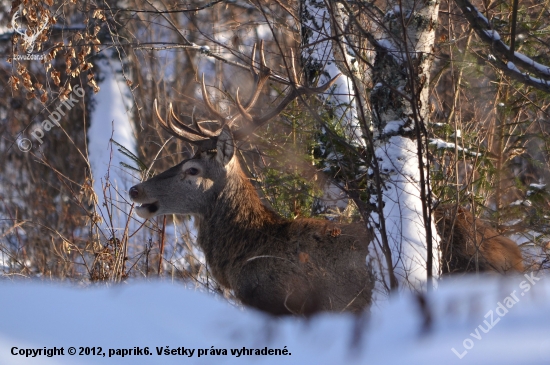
277 265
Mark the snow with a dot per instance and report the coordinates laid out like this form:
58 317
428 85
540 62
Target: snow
402 211
441 144
512 67
482 17
492 34
537 80
525 202
541 68
537 186
392 49
158 314
393 126
341 95
393 12
109 119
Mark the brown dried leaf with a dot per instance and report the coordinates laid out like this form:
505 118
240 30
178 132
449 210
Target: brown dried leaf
85 66
14 82
21 69
55 77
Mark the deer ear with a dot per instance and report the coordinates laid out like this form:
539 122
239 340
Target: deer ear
225 146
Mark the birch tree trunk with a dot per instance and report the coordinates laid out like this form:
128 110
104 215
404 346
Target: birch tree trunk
400 100
326 51
402 36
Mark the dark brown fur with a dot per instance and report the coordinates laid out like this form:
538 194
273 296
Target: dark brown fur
459 244
284 266
274 264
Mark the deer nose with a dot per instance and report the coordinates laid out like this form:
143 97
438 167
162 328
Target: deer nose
134 192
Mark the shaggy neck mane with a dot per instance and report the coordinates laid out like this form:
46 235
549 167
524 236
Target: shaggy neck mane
237 218
239 204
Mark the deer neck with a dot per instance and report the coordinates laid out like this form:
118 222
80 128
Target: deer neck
236 213
235 227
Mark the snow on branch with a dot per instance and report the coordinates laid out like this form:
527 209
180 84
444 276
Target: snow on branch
510 69
441 144
483 28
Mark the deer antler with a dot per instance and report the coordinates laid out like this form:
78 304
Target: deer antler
206 139
297 91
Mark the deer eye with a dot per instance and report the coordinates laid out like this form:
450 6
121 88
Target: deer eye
192 171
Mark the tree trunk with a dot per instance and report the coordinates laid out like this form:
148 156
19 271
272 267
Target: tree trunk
400 100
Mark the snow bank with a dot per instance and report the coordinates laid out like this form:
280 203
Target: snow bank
164 315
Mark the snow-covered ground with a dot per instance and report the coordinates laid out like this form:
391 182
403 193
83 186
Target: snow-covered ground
477 317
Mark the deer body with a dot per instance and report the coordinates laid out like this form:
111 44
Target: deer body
462 244
277 265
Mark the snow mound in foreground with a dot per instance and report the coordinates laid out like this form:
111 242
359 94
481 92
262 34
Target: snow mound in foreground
487 320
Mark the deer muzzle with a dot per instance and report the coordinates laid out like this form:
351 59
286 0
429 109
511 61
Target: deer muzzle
148 207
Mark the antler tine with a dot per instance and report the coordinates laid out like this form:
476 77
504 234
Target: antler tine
298 90
200 130
209 105
242 110
163 123
253 61
182 130
260 79
262 54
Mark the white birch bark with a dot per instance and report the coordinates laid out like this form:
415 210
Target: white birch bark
325 53
401 71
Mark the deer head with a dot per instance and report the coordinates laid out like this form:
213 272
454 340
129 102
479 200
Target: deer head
192 186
